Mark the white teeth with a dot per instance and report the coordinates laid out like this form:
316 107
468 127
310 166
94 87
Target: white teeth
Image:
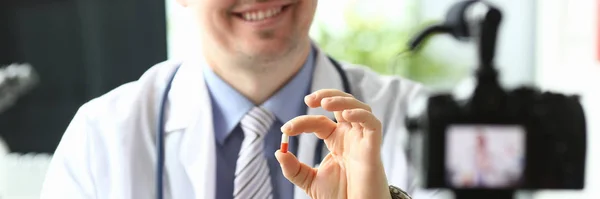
261 14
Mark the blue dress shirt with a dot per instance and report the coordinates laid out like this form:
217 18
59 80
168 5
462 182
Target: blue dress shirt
229 107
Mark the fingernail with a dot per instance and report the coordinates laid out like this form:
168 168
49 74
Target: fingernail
286 127
310 96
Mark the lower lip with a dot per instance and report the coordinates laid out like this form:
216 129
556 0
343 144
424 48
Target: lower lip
268 21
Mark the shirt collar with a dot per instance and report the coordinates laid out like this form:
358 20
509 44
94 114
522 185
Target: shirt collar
229 106
288 102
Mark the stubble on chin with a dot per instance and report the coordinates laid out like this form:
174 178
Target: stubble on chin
265 63
267 34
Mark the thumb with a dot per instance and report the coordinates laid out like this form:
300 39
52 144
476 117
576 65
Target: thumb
296 172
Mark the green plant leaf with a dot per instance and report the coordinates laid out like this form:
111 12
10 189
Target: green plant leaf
377 43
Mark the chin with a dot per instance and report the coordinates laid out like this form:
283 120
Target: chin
270 50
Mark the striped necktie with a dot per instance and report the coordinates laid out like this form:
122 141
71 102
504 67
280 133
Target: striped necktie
252 178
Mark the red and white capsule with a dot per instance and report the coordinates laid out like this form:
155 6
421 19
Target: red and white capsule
284 143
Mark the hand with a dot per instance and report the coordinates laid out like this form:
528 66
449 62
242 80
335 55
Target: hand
353 168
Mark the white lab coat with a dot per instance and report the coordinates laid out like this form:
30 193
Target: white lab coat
108 150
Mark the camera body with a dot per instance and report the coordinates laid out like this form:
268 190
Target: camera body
504 140
498 140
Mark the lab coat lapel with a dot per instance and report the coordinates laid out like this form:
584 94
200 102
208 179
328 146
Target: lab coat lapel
325 76
191 110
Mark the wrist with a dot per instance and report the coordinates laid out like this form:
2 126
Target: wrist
371 183
385 193
384 186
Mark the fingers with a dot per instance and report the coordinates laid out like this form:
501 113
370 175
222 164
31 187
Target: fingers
319 124
365 118
296 172
314 100
334 101
338 103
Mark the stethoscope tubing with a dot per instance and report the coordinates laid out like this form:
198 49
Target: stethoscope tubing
160 134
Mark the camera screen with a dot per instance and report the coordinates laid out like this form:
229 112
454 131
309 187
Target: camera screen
485 156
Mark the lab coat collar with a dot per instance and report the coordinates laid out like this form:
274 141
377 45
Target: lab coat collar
189 109
189 92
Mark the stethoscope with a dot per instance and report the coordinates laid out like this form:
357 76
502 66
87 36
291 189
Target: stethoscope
160 133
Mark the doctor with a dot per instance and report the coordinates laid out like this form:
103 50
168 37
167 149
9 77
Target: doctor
259 75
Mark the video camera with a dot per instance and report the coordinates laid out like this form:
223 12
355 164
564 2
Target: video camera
499 140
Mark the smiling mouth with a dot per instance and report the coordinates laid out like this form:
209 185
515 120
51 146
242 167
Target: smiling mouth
260 15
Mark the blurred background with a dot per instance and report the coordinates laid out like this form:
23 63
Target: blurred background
84 48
